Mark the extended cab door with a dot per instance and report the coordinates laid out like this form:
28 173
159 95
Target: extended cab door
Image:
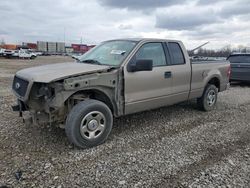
181 71
148 89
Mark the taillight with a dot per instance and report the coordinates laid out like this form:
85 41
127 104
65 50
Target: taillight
229 71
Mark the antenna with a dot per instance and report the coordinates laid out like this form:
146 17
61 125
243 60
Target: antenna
199 46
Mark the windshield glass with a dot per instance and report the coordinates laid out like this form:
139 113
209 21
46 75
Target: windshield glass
239 59
109 53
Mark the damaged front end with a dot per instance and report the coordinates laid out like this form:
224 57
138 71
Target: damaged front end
33 103
49 103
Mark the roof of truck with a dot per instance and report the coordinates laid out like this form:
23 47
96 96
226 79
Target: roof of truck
145 39
236 54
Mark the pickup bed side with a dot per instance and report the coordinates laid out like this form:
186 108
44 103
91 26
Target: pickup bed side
205 72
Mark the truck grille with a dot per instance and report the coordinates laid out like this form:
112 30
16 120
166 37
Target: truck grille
20 86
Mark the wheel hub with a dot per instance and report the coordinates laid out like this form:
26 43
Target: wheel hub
211 98
92 125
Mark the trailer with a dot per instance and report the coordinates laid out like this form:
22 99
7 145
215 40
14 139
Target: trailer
42 46
60 47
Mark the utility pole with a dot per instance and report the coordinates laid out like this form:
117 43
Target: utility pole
2 42
64 35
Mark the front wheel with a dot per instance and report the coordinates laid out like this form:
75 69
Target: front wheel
208 100
89 123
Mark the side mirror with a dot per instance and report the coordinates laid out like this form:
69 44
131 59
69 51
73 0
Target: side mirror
140 65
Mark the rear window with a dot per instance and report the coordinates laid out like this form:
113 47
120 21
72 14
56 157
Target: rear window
177 54
239 59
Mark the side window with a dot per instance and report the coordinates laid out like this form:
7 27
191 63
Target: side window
177 55
153 51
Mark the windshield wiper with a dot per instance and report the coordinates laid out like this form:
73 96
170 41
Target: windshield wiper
91 61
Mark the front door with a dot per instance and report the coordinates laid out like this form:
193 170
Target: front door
148 89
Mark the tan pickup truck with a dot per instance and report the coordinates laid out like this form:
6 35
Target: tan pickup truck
116 78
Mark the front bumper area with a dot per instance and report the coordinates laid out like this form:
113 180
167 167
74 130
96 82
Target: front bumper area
36 118
19 107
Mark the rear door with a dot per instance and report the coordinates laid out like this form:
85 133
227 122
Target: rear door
240 66
181 71
148 89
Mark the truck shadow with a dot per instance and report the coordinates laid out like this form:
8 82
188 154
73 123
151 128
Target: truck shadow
163 119
170 121
55 137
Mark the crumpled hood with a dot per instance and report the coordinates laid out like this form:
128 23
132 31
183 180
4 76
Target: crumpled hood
53 72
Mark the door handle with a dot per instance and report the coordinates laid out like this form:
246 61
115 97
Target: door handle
168 74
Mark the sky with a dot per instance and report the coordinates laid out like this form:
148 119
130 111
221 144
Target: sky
221 22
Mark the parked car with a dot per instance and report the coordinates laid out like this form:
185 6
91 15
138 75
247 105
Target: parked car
22 53
38 53
76 56
26 54
240 64
15 54
8 53
116 78
1 52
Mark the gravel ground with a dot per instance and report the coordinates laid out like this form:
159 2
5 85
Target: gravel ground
176 146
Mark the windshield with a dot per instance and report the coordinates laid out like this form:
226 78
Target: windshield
239 59
109 53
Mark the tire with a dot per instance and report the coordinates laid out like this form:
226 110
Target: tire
89 123
32 57
207 101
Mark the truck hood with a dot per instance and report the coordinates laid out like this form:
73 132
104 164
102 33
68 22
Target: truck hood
53 72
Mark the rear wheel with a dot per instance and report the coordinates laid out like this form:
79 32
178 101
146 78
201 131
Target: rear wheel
89 123
207 101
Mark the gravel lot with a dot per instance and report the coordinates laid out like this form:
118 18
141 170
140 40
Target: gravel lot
176 146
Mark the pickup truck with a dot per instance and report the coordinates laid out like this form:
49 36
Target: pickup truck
22 54
116 78
26 54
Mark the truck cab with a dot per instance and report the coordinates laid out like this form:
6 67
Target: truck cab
167 83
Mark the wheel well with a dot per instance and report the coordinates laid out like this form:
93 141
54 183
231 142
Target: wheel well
215 81
95 94
98 95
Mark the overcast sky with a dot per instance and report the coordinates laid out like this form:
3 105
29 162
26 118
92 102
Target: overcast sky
221 22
